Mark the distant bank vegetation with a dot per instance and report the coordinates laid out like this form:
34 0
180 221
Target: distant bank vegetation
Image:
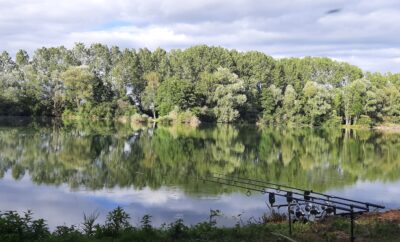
268 227
201 83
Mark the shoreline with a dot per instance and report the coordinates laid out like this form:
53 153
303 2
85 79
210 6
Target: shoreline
380 127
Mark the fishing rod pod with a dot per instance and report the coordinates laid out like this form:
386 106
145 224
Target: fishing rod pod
302 204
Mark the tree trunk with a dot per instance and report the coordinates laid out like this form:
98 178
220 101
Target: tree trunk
154 112
348 120
355 120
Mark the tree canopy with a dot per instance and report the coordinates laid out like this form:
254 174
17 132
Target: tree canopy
212 83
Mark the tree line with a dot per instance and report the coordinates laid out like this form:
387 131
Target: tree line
210 83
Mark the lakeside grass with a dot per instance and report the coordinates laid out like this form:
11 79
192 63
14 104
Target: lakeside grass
369 227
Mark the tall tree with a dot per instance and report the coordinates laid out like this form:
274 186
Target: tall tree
228 96
22 58
149 98
79 85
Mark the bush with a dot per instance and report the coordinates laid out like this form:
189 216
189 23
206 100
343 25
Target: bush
165 120
14 227
392 119
186 117
68 114
334 121
137 118
124 108
365 120
104 110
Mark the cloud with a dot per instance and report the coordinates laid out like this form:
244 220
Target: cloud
362 32
165 204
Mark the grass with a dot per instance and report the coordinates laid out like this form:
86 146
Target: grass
15 227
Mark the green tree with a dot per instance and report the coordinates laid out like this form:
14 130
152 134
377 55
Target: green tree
318 106
290 105
149 98
79 85
374 104
354 100
126 76
228 95
22 58
271 101
175 93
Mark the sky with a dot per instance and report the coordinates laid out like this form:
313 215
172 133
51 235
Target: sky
362 32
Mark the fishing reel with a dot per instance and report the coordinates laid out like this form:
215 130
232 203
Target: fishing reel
297 213
315 212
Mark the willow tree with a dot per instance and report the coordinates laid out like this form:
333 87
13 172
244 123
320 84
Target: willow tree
229 95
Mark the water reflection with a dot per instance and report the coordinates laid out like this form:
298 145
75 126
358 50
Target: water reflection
100 165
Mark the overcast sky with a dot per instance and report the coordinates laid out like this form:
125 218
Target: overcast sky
362 32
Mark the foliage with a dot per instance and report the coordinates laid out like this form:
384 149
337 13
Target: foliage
214 83
13 227
228 95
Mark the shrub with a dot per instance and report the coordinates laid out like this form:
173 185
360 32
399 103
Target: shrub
365 120
124 108
334 121
117 220
104 110
392 119
137 118
88 223
186 117
14 227
165 120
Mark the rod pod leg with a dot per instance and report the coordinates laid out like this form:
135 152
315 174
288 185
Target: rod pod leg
352 238
290 221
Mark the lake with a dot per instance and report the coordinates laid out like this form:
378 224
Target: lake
62 170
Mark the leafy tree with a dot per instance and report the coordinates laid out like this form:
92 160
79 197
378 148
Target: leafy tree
318 103
99 61
290 104
374 103
175 93
228 95
211 82
271 101
80 54
126 77
354 100
22 58
149 98
79 85
392 100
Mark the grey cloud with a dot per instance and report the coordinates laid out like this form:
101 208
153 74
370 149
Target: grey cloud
361 32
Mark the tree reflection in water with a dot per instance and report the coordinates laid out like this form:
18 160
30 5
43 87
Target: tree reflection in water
100 155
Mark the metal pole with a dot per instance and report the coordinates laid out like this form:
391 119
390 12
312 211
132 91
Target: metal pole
352 238
290 221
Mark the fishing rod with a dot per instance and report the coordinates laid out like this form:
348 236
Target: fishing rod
367 204
297 199
307 197
289 196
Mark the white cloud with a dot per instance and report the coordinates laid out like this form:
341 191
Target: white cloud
360 32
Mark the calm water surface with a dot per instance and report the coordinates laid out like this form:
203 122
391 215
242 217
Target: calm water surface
61 171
